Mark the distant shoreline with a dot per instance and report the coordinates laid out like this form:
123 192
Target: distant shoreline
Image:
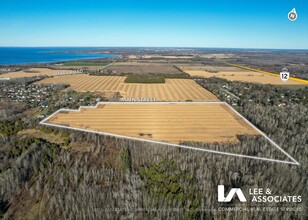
87 48
30 55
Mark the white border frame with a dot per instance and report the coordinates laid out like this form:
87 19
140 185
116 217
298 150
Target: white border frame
43 122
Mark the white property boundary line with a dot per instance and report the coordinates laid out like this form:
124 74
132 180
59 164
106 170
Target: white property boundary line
43 122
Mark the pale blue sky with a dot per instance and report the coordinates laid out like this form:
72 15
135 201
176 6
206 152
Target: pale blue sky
221 23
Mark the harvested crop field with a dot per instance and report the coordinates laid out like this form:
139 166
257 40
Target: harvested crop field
31 73
141 68
234 74
169 122
245 76
171 90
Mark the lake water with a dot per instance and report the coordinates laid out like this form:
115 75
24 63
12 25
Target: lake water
23 55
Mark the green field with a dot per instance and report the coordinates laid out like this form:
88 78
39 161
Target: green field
146 78
152 77
81 63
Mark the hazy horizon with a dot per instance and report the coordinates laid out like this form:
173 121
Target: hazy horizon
163 47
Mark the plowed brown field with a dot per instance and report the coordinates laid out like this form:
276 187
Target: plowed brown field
171 90
172 123
142 68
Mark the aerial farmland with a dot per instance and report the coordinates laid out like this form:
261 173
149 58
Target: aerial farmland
31 73
168 122
171 90
142 68
235 74
154 110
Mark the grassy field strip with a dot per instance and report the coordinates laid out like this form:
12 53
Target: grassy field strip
85 63
173 135
268 73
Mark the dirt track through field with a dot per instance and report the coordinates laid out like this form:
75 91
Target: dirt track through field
171 90
171 123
